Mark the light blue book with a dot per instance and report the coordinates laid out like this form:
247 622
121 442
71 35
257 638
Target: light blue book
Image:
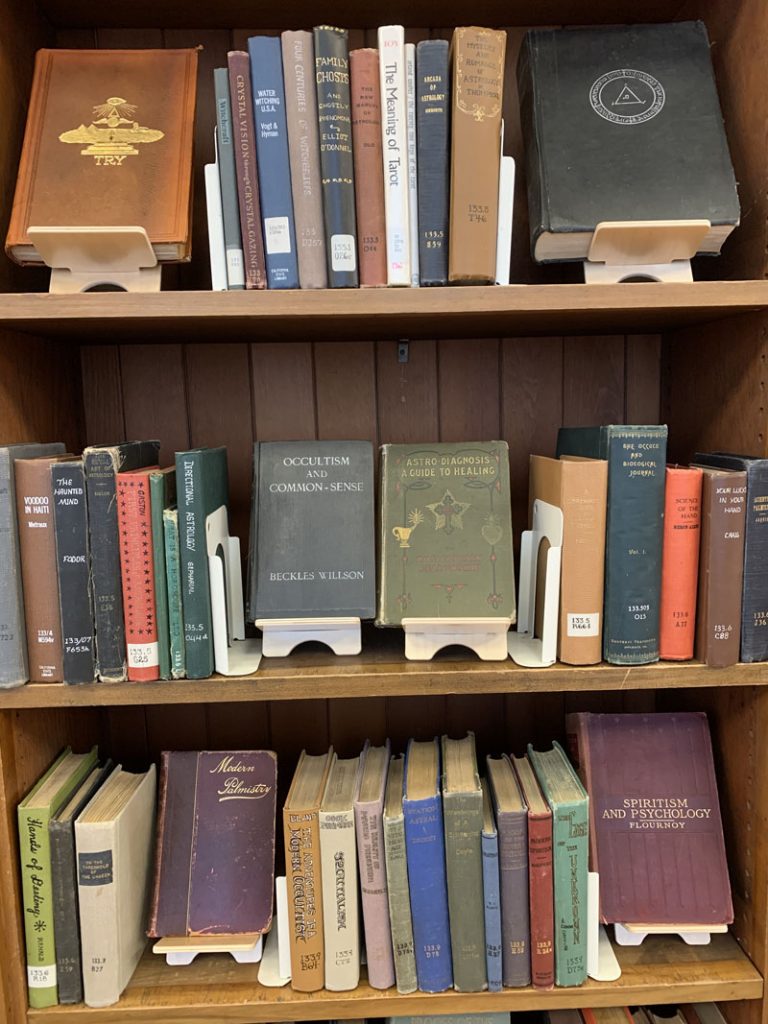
491 893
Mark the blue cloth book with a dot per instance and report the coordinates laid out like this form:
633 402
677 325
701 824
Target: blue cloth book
489 840
425 855
274 166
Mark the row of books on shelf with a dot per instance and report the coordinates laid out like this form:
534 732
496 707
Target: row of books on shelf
445 879
360 168
109 567
687 1013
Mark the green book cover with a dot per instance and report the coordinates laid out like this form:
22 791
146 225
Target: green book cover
570 851
34 813
446 532
201 486
173 591
162 492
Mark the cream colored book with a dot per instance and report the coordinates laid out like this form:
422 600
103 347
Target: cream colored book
338 865
114 837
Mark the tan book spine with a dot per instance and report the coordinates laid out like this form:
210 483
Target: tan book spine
304 151
369 166
37 548
478 83
341 925
305 905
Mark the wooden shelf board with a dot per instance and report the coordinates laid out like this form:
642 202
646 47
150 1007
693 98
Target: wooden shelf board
215 988
519 310
382 671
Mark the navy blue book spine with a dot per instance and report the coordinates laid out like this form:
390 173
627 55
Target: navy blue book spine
433 97
274 165
425 856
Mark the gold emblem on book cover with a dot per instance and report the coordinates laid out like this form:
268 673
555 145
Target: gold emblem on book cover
113 134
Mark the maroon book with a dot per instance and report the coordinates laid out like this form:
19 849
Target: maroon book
215 848
654 817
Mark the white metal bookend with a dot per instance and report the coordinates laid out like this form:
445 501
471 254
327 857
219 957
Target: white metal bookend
524 647
487 637
275 969
233 654
82 258
342 634
657 250
602 964
181 951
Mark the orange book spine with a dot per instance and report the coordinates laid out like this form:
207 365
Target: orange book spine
138 576
680 563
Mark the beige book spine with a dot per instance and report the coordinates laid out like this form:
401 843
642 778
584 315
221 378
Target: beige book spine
305 902
341 926
98 901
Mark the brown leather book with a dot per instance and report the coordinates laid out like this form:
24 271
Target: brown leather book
477 58
304 151
721 566
37 548
254 262
369 166
108 142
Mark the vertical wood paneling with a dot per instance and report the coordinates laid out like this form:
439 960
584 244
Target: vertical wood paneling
419 718
345 390
643 378
154 396
102 394
282 384
468 375
351 722
593 381
407 393
176 727
237 727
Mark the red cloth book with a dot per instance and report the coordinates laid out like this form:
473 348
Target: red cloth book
680 563
369 166
134 519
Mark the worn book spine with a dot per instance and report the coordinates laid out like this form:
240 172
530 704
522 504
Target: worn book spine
369 167
336 158
274 166
398 896
341 926
14 668
433 158
513 875
173 587
305 902
492 906
425 851
463 818
541 900
69 978
37 546
570 852
754 607
244 134
718 611
680 563
191 470
99 902
392 81
134 518
230 206
70 514
37 896
478 83
162 492
373 888
304 151
413 183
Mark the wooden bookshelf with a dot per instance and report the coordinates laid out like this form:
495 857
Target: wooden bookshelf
217 989
380 313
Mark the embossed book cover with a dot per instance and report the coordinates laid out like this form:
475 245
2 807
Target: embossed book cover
446 532
108 143
215 853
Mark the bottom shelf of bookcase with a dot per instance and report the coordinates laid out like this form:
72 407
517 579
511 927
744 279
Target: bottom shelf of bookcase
215 988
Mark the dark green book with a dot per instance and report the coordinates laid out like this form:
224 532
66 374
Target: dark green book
446 532
173 591
201 476
162 493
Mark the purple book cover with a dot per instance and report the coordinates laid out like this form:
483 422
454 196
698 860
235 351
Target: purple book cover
659 844
215 853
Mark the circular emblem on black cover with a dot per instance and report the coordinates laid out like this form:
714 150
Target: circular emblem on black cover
626 96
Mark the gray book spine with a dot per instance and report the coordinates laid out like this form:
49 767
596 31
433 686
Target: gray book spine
230 206
515 914
66 925
399 903
463 822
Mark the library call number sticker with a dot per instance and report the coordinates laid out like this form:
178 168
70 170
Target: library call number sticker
625 96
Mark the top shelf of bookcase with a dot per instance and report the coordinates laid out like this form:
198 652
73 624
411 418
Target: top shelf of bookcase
356 314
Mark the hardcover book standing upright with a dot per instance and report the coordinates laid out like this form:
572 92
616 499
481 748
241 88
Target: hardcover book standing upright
93 158
491 893
162 495
433 140
680 563
394 126
134 517
635 107
215 849
657 836
245 145
446 532
369 166
227 164
398 894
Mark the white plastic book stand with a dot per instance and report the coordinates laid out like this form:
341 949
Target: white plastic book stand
657 250
84 258
602 964
634 935
233 655
487 637
525 648
181 951
342 635
275 970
